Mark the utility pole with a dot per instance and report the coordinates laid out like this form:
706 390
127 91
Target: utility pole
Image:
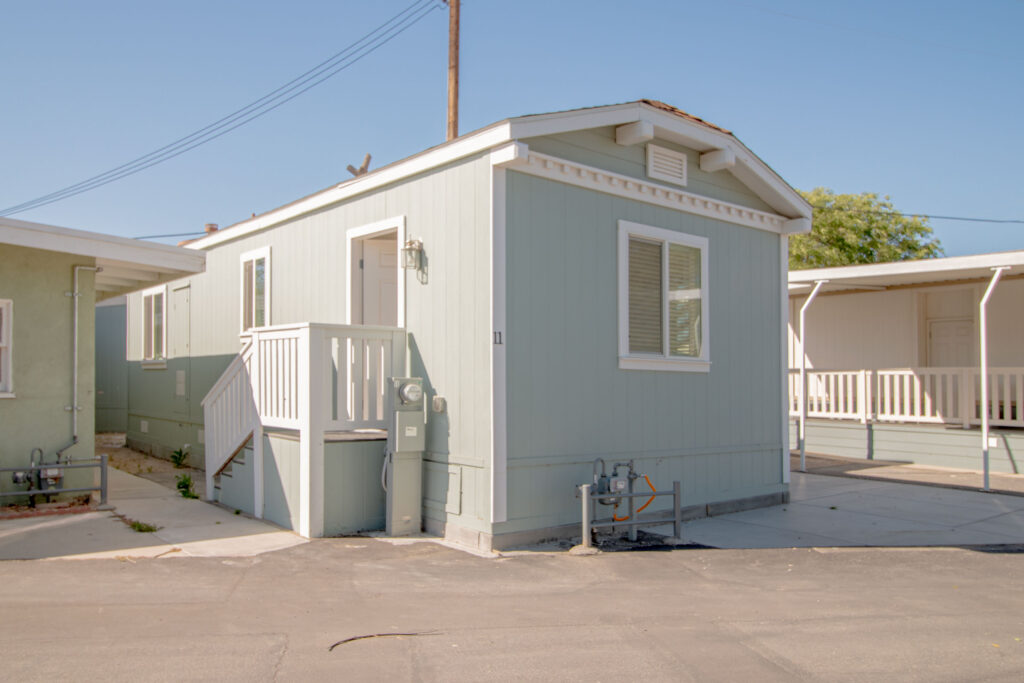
453 69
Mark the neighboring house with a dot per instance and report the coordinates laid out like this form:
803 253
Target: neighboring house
606 282
50 280
893 358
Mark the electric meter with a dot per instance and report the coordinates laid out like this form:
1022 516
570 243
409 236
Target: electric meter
411 392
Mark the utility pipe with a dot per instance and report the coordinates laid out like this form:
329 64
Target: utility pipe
74 407
996 274
803 371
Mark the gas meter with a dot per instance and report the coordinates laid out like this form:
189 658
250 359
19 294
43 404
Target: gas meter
406 442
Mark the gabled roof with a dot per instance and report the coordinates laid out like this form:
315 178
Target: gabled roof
666 122
977 267
127 264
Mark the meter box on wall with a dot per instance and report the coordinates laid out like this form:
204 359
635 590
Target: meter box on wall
408 409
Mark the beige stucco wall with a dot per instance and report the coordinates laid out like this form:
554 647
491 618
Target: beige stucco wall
889 329
37 281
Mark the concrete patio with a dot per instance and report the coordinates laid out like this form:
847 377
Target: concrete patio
836 511
186 527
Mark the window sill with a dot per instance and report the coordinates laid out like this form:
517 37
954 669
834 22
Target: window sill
7 394
663 364
154 365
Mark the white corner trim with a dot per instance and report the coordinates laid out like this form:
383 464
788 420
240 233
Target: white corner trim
396 224
664 364
784 348
718 160
7 394
634 133
497 342
600 180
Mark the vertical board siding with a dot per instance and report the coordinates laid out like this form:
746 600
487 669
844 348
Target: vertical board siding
718 432
448 314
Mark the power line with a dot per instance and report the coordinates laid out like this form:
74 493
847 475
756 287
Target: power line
330 67
921 215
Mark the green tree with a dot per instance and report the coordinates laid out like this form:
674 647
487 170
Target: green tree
859 228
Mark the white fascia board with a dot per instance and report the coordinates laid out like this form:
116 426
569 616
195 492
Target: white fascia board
939 266
163 257
424 161
567 121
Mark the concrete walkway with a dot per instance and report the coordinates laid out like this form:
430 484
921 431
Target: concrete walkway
833 511
185 528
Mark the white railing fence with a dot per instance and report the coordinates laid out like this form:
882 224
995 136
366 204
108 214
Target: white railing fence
916 395
229 414
295 376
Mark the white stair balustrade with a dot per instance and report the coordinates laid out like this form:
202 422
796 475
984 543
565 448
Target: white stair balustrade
341 371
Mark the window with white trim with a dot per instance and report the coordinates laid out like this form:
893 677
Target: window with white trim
154 323
663 299
255 283
6 343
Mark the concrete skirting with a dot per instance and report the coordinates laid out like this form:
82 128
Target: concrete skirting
483 541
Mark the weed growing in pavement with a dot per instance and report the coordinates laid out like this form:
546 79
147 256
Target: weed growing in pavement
136 525
186 487
180 457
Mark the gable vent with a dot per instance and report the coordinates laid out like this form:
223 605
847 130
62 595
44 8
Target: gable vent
666 164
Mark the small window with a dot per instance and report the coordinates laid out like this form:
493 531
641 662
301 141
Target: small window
154 323
663 299
256 289
6 342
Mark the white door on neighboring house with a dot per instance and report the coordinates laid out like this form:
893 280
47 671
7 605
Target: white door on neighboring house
951 343
380 281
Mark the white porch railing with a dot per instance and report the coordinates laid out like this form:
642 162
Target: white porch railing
303 376
916 395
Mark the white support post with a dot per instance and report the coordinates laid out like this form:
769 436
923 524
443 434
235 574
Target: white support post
996 274
802 436
257 470
311 435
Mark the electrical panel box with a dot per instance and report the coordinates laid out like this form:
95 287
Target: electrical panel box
407 428
407 425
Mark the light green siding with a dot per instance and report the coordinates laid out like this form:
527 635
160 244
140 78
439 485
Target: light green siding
38 283
448 313
236 483
719 433
597 147
353 496
281 480
111 368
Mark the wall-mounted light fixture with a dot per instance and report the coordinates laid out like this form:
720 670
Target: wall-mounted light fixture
412 254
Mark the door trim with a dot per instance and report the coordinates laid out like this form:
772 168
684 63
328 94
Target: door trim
352 235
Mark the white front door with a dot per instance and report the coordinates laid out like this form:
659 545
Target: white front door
951 343
380 281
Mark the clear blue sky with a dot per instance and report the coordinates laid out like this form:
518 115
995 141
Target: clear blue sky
920 101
